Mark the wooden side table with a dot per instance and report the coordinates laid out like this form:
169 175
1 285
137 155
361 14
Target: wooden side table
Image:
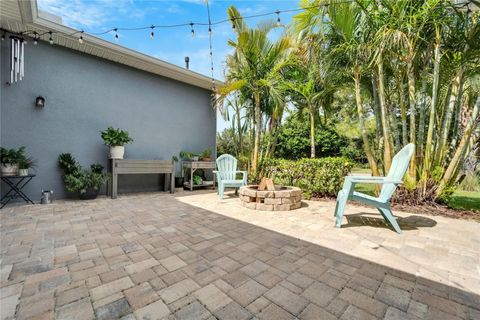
195 165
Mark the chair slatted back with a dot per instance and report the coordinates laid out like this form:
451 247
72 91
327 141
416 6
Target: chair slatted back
400 163
227 167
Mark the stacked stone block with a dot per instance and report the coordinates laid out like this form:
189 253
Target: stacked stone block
287 198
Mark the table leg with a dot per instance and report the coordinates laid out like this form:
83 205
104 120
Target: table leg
16 188
114 186
191 179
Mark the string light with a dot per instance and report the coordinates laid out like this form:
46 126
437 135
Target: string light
35 38
233 23
152 34
50 40
80 40
279 23
3 35
116 33
192 31
211 48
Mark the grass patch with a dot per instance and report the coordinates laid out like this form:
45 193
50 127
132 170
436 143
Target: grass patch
466 200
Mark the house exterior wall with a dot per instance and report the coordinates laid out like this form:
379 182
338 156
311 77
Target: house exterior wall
84 95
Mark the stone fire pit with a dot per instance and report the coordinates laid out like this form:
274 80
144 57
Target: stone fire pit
280 199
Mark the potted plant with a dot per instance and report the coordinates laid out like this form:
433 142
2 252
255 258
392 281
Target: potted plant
185 155
197 180
9 159
85 182
206 155
116 139
24 164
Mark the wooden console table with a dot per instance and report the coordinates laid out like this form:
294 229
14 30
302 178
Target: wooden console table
127 166
195 165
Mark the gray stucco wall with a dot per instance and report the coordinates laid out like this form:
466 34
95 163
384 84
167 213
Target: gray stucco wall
84 95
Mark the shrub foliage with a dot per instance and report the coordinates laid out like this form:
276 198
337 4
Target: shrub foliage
316 177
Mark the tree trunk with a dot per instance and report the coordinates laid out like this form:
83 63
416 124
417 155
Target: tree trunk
412 101
363 131
427 163
421 124
312 132
240 131
447 118
275 139
377 112
403 113
460 151
396 132
457 116
258 128
387 148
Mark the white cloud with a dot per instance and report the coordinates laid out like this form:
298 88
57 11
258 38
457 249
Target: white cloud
93 13
80 13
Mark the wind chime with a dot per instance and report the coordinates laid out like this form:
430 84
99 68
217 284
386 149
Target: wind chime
17 50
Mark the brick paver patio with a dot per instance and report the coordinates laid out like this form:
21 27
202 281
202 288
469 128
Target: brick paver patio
191 256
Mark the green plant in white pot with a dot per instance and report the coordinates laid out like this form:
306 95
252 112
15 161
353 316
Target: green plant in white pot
116 139
9 159
24 164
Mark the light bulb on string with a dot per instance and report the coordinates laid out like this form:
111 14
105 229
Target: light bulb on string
3 35
80 40
192 31
233 23
152 34
50 40
279 23
116 33
35 38
209 30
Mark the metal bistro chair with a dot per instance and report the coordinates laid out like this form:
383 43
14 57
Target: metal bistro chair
227 174
394 177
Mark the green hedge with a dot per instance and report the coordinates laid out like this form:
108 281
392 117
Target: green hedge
321 177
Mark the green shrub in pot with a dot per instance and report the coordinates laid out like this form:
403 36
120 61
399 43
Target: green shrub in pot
9 159
85 182
24 164
116 139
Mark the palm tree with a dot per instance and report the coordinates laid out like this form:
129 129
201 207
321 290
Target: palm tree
305 97
254 69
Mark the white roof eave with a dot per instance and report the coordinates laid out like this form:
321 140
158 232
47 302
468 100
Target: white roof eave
109 50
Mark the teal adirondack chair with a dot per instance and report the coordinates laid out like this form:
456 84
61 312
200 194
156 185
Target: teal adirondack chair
227 174
400 163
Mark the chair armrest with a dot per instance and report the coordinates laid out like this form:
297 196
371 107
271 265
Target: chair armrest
358 177
244 176
379 181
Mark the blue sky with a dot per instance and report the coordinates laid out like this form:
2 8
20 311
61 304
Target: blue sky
171 45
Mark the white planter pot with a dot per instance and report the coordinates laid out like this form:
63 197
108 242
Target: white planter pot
9 169
117 152
23 172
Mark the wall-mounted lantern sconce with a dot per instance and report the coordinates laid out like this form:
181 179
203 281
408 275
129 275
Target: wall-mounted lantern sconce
40 102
